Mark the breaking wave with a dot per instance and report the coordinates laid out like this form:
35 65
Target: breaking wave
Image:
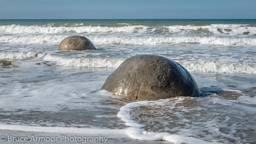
126 40
200 66
216 29
83 62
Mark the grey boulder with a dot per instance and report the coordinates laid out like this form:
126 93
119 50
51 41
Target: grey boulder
76 43
151 77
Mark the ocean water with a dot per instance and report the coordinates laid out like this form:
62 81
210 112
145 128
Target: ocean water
48 92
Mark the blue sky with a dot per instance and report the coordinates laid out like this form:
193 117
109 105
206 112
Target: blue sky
127 9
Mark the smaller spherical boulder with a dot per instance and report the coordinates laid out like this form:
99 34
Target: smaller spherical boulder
76 43
151 77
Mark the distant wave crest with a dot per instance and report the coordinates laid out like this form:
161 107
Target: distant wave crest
212 29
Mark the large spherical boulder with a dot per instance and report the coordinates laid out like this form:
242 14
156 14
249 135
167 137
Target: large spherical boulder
76 43
151 77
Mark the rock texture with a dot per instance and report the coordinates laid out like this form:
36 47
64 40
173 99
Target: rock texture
151 77
76 43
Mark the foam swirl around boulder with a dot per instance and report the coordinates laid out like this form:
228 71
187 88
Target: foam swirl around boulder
76 43
151 77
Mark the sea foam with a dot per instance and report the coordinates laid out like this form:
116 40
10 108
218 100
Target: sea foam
217 29
19 29
19 55
65 130
199 66
83 62
136 130
127 40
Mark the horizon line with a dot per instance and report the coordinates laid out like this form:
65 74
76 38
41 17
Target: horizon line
130 19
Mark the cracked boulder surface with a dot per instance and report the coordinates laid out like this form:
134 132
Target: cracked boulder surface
76 43
151 77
